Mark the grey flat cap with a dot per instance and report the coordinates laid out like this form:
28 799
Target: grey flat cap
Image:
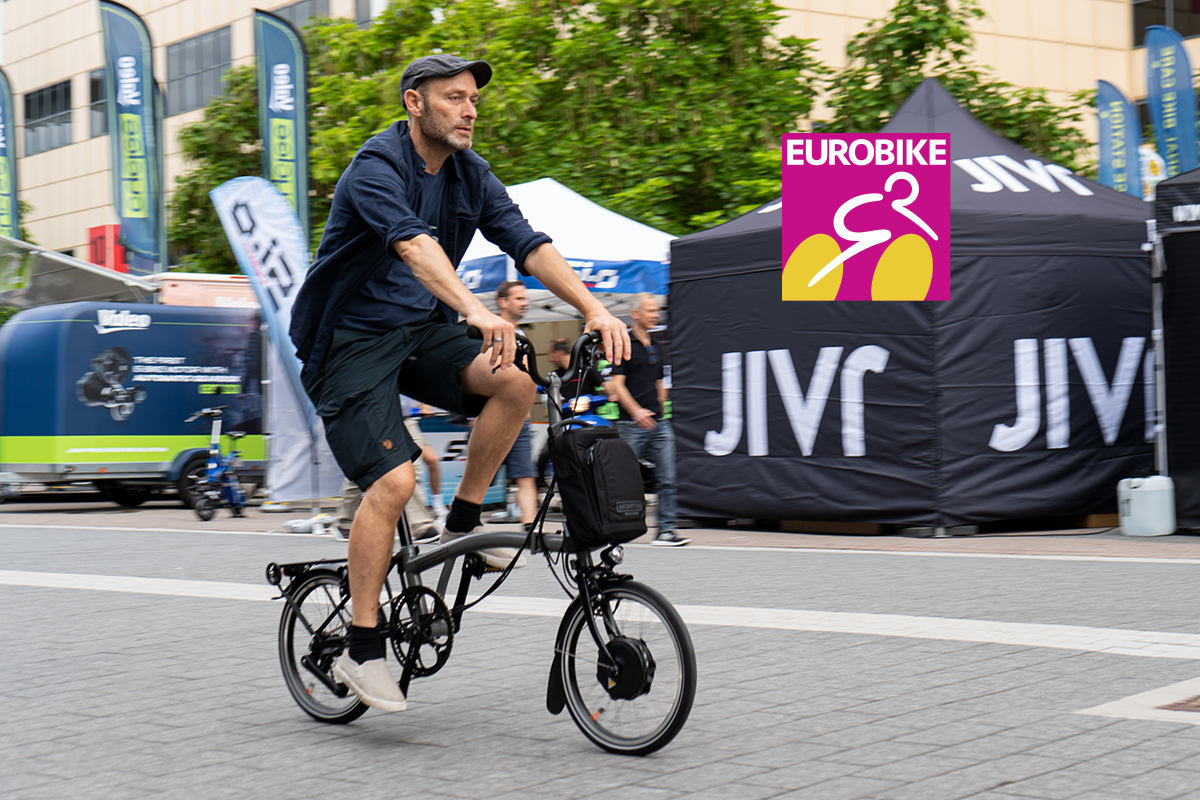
442 66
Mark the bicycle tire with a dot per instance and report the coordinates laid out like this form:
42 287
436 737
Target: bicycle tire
316 598
205 508
644 723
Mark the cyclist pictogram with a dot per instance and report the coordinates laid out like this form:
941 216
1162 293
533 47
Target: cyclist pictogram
866 217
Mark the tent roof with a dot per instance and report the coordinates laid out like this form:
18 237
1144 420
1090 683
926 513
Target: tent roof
580 228
1038 208
32 276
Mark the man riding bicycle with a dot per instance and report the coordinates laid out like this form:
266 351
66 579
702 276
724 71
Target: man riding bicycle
377 316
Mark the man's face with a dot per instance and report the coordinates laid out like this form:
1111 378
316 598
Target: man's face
516 304
647 314
559 359
448 117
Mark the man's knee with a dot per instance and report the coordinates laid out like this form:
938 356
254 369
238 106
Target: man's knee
515 387
391 492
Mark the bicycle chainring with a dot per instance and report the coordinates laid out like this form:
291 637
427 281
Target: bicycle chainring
422 630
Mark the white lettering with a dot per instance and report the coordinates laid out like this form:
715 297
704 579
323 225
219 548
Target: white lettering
128 91
803 413
795 152
870 152
870 358
725 442
109 321
1058 395
1008 438
937 152
1189 213
1108 401
282 97
914 151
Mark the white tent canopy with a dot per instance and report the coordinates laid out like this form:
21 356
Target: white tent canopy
615 256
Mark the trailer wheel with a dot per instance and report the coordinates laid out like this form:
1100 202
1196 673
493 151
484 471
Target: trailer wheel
193 473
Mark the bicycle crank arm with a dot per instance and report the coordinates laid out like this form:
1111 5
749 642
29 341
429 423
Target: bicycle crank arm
329 682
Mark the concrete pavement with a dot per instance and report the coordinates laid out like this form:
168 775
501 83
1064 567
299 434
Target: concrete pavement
830 667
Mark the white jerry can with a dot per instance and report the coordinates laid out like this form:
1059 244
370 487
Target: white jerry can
1146 506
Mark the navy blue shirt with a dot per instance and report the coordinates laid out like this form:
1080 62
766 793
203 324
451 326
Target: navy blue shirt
373 208
380 306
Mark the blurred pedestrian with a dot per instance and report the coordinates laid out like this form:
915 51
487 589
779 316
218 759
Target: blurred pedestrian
638 385
513 302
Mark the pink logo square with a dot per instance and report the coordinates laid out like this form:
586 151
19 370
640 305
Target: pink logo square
866 216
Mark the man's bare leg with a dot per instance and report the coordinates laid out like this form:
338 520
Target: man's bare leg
371 540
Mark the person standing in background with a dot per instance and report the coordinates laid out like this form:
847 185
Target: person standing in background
638 385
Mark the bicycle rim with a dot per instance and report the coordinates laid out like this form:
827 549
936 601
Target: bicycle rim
649 721
316 600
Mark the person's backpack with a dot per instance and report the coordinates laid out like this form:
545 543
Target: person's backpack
601 485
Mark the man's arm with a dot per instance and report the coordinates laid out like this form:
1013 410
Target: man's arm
545 264
433 269
644 417
662 393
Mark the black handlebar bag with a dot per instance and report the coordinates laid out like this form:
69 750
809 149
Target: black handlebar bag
601 485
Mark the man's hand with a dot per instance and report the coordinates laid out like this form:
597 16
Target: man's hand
616 337
644 417
498 336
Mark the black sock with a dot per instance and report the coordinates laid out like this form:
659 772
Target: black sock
463 516
365 644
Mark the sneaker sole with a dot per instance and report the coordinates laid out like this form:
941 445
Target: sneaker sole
658 543
390 706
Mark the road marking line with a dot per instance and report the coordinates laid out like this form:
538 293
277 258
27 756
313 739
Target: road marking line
1114 641
1146 704
692 547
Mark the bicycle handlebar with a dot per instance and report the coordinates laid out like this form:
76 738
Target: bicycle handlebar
528 364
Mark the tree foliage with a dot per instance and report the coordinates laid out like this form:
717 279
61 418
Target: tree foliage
667 111
932 38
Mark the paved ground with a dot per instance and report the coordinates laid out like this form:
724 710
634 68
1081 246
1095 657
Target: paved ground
830 667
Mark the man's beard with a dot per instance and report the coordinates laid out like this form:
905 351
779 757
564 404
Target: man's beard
445 132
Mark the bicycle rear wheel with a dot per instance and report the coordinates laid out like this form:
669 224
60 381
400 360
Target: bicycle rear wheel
638 704
312 634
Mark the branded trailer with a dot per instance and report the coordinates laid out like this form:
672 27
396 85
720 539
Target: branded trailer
99 392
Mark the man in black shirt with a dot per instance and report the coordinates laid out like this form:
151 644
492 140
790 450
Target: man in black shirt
638 385
377 316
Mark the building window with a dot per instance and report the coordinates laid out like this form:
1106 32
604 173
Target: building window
196 70
362 12
1182 15
97 111
300 13
48 118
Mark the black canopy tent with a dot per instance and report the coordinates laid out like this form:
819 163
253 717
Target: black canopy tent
1014 399
1177 252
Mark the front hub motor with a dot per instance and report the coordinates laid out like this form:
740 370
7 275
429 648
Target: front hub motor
630 672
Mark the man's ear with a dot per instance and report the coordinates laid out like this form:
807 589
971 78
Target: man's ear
416 98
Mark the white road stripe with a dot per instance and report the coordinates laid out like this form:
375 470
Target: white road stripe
1116 641
691 548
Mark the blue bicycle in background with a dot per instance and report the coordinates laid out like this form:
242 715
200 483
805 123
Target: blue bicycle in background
219 486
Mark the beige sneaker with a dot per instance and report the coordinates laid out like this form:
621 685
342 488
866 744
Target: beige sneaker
372 682
496 557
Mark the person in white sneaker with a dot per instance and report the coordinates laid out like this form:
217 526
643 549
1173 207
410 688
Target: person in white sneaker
378 314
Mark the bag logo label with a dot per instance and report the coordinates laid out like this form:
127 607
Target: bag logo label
866 217
630 506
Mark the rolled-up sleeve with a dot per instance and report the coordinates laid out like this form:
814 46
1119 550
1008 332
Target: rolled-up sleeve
380 196
502 222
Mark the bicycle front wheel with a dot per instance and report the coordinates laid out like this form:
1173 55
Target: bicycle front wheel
637 697
312 634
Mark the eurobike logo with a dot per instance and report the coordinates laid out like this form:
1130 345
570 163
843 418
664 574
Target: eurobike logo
866 217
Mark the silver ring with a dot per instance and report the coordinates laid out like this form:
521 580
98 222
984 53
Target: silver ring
498 339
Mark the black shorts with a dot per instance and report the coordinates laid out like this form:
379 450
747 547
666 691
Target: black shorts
357 391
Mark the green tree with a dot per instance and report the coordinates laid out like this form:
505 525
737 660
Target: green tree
932 38
667 111
224 146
